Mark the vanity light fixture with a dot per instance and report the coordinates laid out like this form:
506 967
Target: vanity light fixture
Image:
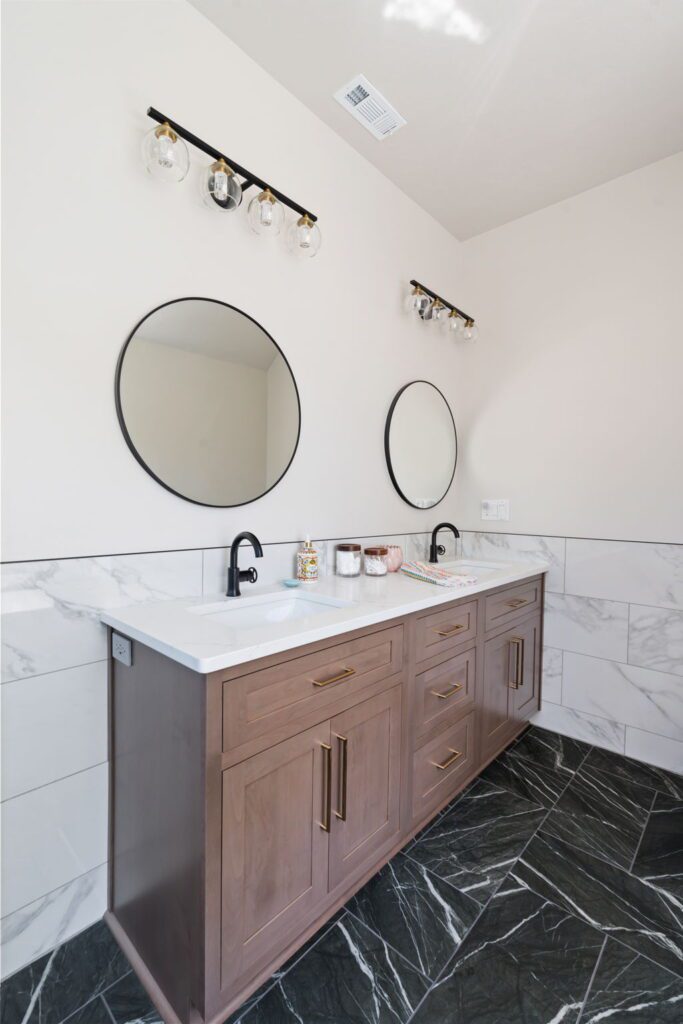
430 306
167 158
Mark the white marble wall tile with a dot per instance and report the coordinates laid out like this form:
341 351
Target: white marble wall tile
52 835
655 639
596 731
648 574
552 675
659 750
52 725
50 610
624 693
509 546
586 625
40 926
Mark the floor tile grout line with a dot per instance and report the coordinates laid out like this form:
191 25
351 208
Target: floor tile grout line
591 980
642 834
96 995
386 942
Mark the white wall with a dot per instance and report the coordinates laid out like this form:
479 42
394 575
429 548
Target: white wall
107 244
572 405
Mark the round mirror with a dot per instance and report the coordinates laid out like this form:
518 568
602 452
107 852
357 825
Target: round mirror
421 444
207 402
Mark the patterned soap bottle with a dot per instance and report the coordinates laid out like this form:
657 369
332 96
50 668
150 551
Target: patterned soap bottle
307 563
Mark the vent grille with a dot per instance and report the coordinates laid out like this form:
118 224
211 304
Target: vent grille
369 107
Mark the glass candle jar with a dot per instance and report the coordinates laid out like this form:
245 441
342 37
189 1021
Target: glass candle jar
376 561
347 559
394 557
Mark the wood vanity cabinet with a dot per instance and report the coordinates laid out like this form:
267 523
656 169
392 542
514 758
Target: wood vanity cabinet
248 805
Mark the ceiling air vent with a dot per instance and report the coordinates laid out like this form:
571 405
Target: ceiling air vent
368 106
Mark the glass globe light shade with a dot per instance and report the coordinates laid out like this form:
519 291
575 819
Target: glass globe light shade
265 214
303 237
220 188
416 300
471 331
438 310
426 311
166 156
455 324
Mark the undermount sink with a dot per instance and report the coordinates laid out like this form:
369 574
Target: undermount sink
471 568
268 609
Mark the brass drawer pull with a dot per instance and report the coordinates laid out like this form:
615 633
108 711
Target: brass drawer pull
335 679
451 632
327 786
517 602
518 644
455 754
449 693
343 774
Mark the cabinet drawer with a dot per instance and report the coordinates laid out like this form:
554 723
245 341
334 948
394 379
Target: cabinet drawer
444 692
293 694
513 604
445 629
440 766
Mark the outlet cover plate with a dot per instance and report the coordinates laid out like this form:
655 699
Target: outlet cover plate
495 508
122 649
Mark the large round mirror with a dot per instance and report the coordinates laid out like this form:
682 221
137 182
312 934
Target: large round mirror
207 402
421 444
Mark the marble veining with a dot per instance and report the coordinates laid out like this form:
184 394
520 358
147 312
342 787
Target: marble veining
589 728
531 780
493 546
630 989
649 574
476 843
636 772
659 860
417 913
552 674
586 625
655 639
551 750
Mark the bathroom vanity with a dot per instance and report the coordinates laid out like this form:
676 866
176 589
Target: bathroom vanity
252 795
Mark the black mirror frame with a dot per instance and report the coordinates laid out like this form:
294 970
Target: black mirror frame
122 422
387 451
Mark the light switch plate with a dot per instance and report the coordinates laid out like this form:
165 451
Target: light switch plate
122 649
495 508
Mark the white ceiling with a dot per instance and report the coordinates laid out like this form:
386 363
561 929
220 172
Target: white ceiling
511 104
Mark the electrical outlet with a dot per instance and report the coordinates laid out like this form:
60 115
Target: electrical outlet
495 508
122 649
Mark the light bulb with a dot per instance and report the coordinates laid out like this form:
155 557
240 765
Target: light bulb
166 156
438 309
471 331
265 214
303 237
454 323
220 188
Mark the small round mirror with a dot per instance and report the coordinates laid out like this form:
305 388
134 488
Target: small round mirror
421 444
207 402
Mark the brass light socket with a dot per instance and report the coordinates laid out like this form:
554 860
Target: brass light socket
165 129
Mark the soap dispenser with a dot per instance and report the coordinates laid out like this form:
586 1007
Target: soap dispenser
307 563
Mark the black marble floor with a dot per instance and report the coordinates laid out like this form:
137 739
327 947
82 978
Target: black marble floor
549 892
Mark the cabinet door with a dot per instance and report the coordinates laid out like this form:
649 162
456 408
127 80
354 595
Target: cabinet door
275 850
527 672
366 784
497 700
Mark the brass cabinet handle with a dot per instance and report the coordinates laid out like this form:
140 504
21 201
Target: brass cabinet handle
517 602
518 644
451 632
449 693
455 754
343 774
335 679
327 786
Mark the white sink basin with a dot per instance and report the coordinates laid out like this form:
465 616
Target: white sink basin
246 613
469 568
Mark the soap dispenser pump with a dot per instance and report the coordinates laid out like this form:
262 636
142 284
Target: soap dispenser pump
307 563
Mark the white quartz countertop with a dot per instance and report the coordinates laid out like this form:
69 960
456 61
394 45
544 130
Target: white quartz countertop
204 634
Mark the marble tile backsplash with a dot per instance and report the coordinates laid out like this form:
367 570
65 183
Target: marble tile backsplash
612 676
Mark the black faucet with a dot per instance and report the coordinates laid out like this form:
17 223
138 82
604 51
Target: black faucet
438 549
237 575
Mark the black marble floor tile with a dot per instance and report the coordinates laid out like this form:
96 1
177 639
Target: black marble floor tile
630 989
66 980
660 855
637 772
94 1012
417 913
129 1003
526 961
530 779
478 841
602 814
551 750
605 897
349 977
